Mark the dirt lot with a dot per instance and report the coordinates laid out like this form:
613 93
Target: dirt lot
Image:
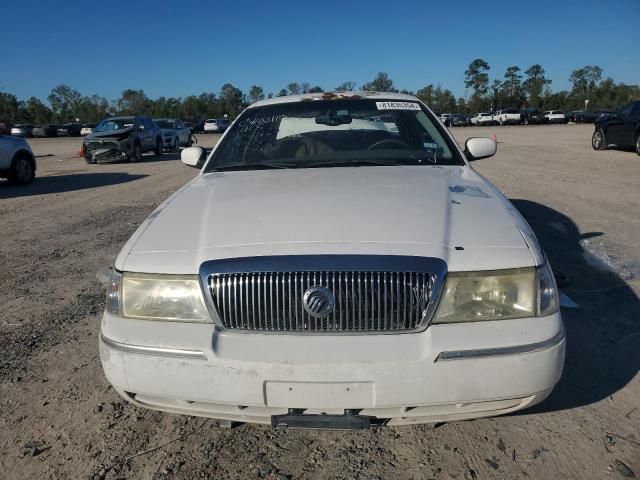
60 419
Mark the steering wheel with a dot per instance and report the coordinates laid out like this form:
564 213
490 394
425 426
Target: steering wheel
375 145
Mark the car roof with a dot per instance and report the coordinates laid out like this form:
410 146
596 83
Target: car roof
124 117
337 95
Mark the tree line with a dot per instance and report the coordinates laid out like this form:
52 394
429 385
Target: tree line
514 89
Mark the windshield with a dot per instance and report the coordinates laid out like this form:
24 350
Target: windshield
334 133
169 124
114 124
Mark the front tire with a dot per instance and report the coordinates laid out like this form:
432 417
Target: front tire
158 149
22 172
599 140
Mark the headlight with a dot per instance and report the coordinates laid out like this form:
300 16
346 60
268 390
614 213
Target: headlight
498 295
176 298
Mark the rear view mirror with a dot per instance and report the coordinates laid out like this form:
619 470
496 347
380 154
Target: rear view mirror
479 147
333 120
193 156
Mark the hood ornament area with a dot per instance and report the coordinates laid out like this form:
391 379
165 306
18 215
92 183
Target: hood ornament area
318 301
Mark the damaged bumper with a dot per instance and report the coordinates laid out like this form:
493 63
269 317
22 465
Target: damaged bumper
106 150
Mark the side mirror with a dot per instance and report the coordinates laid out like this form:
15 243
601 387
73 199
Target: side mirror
192 156
477 148
141 127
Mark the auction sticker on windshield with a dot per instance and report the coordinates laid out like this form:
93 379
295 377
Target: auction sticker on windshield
397 106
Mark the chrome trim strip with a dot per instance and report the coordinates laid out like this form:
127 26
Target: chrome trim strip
148 350
501 351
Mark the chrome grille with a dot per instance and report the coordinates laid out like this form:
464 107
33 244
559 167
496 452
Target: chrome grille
365 301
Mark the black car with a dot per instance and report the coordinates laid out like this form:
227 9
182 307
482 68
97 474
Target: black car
48 130
195 125
621 129
122 138
69 130
458 120
603 113
532 116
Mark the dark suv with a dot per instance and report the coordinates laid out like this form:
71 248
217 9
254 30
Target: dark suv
621 128
531 115
122 138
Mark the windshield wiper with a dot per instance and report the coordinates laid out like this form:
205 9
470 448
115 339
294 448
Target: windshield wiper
253 166
352 162
349 162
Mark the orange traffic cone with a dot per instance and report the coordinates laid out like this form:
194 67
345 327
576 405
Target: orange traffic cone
495 138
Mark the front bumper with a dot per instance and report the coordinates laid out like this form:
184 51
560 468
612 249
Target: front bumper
447 372
106 150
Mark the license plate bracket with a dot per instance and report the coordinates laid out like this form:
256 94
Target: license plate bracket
297 420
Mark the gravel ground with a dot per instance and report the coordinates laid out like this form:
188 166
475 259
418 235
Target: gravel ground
60 419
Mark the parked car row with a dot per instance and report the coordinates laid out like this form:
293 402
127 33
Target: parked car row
525 116
27 130
128 137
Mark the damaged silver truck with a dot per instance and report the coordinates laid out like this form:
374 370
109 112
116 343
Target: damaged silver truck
122 138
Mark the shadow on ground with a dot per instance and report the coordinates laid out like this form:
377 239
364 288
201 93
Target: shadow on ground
148 158
602 350
66 183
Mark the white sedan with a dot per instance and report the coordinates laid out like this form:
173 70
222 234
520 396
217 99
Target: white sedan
325 271
508 116
87 129
212 125
555 116
482 119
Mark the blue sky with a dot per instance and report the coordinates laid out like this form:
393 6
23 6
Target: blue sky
180 48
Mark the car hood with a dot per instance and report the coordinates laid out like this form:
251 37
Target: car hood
439 211
125 132
15 141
